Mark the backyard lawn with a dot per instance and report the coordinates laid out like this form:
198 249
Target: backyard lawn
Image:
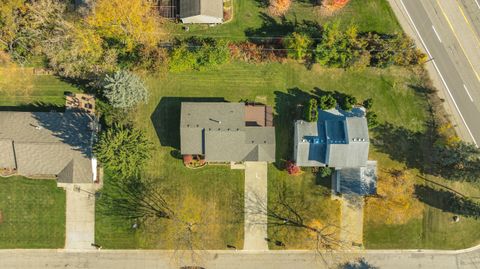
21 87
251 20
32 213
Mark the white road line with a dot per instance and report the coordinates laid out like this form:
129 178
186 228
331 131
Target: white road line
471 99
438 71
478 4
436 33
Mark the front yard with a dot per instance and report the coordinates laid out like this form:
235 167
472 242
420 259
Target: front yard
32 213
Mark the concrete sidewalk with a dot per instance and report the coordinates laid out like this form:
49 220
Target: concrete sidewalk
80 217
255 197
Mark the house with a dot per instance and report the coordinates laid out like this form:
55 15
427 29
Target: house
227 132
48 145
201 11
339 139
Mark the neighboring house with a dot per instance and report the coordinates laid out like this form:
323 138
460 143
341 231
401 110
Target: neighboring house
201 11
48 145
339 139
227 132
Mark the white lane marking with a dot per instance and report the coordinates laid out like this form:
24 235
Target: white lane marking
438 71
436 33
471 99
478 4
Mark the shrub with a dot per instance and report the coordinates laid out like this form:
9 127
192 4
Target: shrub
311 113
124 89
123 150
298 45
368 103
292 169
254 53
348 102
327 101
372 120
324 172
279 7
182 59
197 54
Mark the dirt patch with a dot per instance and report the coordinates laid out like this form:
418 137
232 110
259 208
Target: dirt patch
1 217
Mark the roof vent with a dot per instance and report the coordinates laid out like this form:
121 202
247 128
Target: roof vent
217 121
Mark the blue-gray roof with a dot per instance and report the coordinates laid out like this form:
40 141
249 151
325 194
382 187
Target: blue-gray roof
338 139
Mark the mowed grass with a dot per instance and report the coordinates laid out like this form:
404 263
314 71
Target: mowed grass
434 228
252 20
268 83
32 213
21 87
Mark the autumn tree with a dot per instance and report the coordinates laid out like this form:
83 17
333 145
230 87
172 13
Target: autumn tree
395 202
334 5
279 7
10 17
125 24
290 213
338 48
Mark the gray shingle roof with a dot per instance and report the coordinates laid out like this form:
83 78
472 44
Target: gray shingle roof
338 139
217 130
211 8
45 143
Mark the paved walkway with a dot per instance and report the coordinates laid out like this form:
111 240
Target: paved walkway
255 200
351 232
80 223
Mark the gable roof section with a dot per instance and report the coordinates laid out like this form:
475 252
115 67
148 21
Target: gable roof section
217 130
338 139
209 8
44 143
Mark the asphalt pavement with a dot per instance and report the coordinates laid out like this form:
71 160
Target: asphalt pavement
448 31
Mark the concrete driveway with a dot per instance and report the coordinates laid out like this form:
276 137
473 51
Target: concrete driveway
255 205
351 229
80 216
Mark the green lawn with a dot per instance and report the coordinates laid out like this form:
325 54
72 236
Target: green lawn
33 213
19 87
251 20
280 85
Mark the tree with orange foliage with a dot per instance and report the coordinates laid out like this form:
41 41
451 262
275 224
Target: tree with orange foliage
396 202
279 7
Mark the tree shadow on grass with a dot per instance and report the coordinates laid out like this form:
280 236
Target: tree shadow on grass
447 201
271 29
37 106
288 108
414 148
166 118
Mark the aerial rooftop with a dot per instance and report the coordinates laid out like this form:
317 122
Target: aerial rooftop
225 132
53 144
338 139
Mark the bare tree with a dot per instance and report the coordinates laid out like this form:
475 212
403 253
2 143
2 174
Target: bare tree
288 211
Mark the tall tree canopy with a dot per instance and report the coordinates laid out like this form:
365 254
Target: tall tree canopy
128 23
123 150
124 89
